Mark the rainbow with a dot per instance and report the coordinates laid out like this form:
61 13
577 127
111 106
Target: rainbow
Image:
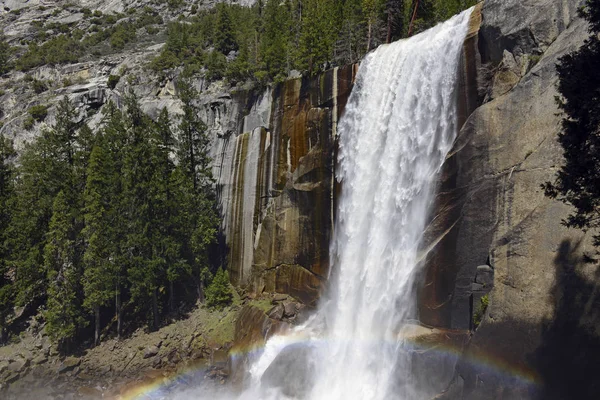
488 366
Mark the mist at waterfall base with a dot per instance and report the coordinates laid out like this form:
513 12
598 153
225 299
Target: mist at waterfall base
397 129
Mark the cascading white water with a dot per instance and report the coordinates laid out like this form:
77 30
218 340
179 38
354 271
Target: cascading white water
399 124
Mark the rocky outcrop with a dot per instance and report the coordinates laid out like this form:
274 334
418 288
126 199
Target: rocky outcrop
501 238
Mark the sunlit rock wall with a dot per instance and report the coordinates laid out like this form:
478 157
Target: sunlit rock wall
274 165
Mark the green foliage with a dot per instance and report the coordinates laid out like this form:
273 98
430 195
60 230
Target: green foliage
219 293
480 311
38 112
7 153
125 213
274 37
122 34
5 54
175 4
224 37
59 50
184 46
28 123
577 182
216 65
63 308
39 86
112 81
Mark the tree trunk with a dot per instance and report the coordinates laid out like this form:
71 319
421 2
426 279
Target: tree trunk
155 308
201 291
97 325
369 35
388 38
118 311
171 297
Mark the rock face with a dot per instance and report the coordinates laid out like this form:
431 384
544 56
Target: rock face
500 237
274 167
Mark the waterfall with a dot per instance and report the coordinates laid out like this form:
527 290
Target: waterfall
398 127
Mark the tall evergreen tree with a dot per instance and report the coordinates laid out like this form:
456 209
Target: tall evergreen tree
320 26
167 242
578 180
63 309
99 274
5 53
193 142
7 152
114 141
47 167
196 185
276 47
146 269
224 37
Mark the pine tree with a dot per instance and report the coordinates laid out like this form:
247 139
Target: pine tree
47 167
320 26
7 152
114 140
218 293
198 227
63 308
276 47
224 37
193 142
99 278
146 268
578 182
5 53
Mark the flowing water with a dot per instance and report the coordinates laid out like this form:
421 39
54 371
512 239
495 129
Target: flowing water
398 126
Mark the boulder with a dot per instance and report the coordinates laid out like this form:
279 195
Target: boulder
151 351
290 309
276 312
291 371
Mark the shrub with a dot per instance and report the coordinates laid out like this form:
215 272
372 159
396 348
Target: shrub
38 112
113 80
5 52
28 122
121 35
218 293
151 30
59 50
480 312
39 86
216 65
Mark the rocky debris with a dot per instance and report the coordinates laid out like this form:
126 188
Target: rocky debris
18 365
69 364
41 359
